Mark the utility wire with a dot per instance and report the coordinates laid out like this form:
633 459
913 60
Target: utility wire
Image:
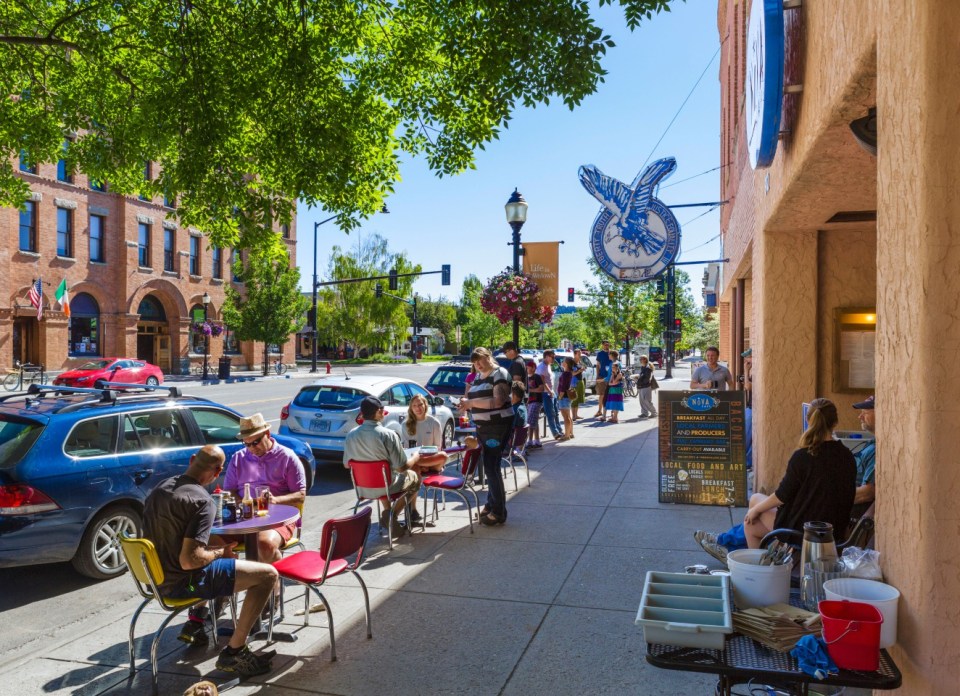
694 176
681 108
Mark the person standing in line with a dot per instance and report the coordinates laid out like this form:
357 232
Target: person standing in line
712 375
489 401
614 402
518 369
603 374
644 389
535 389
578 383
543 369
563 398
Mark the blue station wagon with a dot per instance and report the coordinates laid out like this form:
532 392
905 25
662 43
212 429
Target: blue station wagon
77 464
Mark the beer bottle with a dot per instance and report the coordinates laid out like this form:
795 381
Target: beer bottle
247 503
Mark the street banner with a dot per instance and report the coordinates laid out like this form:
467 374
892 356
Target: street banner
541 261
702 448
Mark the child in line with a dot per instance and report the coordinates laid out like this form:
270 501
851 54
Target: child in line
535 389
563 395
614 403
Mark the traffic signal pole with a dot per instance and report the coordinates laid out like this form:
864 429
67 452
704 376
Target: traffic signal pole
668 336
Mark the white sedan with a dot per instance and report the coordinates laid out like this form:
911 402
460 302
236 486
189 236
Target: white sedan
322 413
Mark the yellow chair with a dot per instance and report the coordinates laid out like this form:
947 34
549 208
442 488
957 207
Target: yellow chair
144 565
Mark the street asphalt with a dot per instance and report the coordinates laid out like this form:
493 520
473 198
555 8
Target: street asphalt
542 605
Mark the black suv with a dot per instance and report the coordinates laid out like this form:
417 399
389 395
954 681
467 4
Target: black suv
77 464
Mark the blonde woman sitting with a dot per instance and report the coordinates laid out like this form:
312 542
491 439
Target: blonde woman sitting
424 430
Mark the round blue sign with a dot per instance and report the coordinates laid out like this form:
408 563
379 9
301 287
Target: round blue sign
764 80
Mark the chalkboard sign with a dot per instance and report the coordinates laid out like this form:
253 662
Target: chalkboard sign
702 448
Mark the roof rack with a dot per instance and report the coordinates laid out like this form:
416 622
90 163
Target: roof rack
125 387
104 393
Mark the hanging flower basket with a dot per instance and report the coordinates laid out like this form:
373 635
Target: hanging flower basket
207 328
509 296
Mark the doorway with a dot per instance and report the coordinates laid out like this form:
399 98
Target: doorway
25 345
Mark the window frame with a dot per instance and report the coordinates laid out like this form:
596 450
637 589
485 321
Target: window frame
194 255
65 236
143 247
101 256
169 250
31 208
217 263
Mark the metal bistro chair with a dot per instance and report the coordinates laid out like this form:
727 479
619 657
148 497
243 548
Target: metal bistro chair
376 475
516 451
339 540
147 574
442 483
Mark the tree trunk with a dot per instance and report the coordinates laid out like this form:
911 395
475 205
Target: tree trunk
266 357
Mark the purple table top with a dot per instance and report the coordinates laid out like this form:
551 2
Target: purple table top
277 516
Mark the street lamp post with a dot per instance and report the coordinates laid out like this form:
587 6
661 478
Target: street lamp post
516 209
313 323
206 336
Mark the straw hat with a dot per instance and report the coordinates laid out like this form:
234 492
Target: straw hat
252 426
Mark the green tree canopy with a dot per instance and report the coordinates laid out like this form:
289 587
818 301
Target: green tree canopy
248 105
271 307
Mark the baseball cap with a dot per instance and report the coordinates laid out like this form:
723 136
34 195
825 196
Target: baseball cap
369 406
866 403
747 353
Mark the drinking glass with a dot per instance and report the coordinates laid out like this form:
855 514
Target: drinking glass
263 499
814 575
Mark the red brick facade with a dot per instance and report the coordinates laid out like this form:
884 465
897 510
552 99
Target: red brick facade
117 284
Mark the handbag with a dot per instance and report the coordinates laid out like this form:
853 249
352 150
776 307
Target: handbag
653 383
571 393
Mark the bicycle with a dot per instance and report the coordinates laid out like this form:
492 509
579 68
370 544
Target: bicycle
630 383
21 375
279 367
198 370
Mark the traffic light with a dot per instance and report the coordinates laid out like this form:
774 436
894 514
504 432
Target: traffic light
677 324
610 295
570 294
661 289
445 274
394 285
663 316
379 290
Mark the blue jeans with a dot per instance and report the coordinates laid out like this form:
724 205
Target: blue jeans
492 440
551 413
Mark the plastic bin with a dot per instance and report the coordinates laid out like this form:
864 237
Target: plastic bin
223 368
687 610
755 585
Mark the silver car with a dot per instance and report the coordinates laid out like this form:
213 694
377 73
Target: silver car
322 413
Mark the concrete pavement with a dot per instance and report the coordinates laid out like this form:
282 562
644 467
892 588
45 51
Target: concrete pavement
543 604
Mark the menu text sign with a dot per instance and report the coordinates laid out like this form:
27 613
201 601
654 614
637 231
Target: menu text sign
702 448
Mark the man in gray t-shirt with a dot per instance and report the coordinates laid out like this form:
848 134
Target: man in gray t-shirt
712 375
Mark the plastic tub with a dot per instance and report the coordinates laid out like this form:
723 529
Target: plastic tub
851 631
687 610
884 597
755 585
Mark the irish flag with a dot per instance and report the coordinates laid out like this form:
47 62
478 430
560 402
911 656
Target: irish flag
63 297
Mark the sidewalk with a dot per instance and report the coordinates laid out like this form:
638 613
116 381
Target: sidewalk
542 605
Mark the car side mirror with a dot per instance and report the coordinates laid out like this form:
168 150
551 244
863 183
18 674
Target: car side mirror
438 401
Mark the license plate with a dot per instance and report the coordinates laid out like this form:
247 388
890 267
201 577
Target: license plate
320 426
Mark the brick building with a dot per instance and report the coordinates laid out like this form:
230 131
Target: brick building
842 274
136 279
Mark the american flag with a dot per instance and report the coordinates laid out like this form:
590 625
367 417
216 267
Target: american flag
36 297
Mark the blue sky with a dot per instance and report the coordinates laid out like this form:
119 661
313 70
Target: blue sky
460 220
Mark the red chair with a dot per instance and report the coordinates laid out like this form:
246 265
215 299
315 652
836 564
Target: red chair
454 484
339 540
516 451
375 476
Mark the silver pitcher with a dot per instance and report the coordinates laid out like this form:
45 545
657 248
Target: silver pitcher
818 544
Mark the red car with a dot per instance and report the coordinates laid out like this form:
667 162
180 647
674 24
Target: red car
111 370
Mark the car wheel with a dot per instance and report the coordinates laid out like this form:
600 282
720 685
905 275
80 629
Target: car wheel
100 556
447 434
308 474
152 381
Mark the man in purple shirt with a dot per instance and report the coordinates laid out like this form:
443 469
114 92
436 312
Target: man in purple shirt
264 461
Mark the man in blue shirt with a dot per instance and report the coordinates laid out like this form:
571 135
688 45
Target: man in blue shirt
866 460
604 364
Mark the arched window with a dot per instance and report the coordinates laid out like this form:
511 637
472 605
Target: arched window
84 326
150 309
198 339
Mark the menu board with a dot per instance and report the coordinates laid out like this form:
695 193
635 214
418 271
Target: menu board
702 448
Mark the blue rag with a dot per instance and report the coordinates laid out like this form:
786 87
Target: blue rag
813 658
733 539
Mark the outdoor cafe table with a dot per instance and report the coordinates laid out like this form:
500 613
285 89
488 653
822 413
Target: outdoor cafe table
277 516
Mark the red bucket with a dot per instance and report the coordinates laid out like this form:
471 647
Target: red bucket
851 631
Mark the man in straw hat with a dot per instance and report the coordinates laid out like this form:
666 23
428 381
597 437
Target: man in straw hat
178 516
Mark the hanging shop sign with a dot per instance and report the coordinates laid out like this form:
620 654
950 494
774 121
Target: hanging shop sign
764 81
634 236
541 261
702 448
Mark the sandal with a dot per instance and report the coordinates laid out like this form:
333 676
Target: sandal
491 520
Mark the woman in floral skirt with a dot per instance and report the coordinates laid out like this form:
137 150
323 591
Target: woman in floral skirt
614 402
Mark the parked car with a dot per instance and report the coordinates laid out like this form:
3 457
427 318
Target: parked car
76 465
323 413
123 370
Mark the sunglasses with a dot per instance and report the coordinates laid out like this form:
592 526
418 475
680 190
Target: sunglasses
254 443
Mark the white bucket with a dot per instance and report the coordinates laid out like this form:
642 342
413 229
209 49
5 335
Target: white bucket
884 597
756 585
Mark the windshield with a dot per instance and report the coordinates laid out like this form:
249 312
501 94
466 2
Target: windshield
329 397
16 438
95 365
456 379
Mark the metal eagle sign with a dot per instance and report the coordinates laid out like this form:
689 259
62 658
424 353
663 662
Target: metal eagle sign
635 237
